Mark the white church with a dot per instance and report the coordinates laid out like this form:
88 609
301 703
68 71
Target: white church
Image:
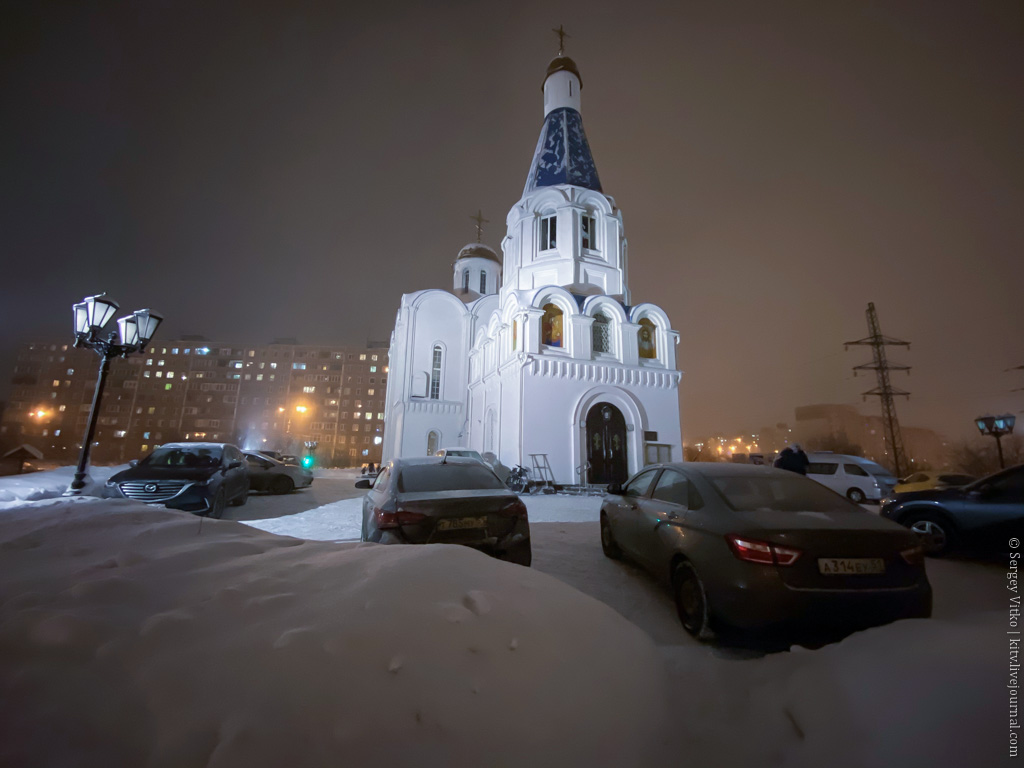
540 355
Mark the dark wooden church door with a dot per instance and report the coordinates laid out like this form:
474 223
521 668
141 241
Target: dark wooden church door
606 444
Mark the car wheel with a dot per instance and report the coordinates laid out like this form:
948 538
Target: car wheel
856 495
281 485
691 600
936 532
244 497
611 549
217 507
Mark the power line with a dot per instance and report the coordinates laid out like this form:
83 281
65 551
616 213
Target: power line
885 391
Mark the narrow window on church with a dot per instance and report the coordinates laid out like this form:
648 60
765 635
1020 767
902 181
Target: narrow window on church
551 326
432 440
483 281
515 335
589 232
465 279
548 233
648 344
435 375
601 335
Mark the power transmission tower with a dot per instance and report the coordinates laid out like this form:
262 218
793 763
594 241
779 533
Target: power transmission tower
885 391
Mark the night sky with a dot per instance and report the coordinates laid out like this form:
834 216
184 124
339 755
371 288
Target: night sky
258 170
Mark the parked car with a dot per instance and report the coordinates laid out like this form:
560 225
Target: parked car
488 459
985 514
463 453
193 477
751 547
267 474
445 501
284 458
925 481
856 478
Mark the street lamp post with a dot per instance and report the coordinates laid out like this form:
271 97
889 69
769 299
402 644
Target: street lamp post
135 331
997 426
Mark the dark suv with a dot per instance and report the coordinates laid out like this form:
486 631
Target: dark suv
193 477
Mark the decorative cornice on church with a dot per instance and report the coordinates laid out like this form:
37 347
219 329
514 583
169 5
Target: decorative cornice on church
602 373
422 405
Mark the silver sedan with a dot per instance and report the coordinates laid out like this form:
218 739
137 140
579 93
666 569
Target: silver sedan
269 474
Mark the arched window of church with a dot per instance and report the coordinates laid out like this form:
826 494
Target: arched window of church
435 374
588 231
483 281
648 343
432 440
515 335
602 333
551 326
548 232
465 279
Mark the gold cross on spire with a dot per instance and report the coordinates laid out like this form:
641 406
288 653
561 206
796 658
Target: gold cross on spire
562 34
480 221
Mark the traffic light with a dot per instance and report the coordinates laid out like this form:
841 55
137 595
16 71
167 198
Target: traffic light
307 462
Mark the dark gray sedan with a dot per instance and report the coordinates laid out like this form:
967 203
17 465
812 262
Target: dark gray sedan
754 547
445 501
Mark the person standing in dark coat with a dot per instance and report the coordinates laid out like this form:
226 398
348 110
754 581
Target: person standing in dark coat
792 459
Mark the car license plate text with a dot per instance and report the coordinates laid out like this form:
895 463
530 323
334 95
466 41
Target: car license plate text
846 566
461 523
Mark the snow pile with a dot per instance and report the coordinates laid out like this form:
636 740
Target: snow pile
132 635
342 520
51 484
913 693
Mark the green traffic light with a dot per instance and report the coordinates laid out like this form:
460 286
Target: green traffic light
307 462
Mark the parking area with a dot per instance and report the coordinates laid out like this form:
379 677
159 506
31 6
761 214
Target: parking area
571 552
324 490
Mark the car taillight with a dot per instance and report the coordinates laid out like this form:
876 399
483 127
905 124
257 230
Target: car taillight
384 519
913 556
516 508
762 552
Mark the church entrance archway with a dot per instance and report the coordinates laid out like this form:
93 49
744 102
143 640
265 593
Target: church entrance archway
606 444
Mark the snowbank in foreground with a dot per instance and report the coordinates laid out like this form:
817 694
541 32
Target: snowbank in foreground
136 636
50 484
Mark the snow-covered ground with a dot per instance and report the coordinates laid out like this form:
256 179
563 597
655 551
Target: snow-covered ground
132 635
341 520
34 486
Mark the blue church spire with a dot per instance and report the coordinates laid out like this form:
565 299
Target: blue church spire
563 153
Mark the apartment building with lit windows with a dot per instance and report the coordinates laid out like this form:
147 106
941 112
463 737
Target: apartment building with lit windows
279 396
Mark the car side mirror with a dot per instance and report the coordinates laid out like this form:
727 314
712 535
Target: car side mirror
615 489
133 463
364 484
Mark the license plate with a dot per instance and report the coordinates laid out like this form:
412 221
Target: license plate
847 566
461 523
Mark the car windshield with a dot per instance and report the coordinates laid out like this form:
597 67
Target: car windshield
204 456
783 493
430 478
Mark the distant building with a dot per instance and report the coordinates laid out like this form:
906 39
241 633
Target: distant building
277 396
541 350
836 423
